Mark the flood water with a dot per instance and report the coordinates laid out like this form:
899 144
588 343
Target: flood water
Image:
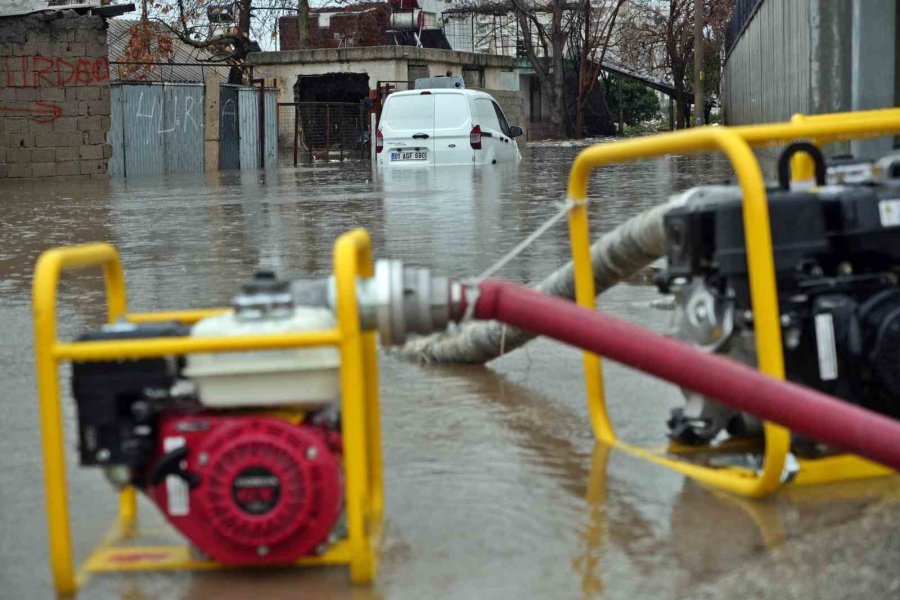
494 486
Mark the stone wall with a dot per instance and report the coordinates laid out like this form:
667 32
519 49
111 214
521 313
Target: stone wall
54 97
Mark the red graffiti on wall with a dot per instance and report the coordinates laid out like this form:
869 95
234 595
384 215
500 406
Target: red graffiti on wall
31 72
46 71
42 112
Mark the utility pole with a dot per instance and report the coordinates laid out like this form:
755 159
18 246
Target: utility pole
699 96
620 81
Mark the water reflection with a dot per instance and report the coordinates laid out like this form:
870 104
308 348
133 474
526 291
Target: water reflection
487 209
634 540
279 584
708 533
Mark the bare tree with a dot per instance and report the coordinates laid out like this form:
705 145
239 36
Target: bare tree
589 43
561 35
545 26
226 30
656 36
190 22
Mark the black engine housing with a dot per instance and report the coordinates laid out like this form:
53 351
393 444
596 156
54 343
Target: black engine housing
837 264
116 417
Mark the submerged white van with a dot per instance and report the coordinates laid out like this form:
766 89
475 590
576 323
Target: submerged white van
444 127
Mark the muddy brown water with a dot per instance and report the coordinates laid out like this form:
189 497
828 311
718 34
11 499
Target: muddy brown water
494 486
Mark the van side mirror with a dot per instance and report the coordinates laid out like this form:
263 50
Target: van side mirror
515 131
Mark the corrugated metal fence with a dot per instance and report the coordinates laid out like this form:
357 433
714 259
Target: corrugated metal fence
786 57
157 128
248 120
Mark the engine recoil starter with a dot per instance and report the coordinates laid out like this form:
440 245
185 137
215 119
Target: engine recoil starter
247 489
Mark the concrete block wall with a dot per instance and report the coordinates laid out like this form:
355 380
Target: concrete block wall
54 97
513 106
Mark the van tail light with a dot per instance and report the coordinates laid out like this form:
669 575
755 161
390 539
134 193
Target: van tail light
379 141
475 138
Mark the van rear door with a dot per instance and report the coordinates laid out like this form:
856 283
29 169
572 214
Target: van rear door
452 126
407 125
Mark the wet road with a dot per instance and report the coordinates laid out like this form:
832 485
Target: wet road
494 486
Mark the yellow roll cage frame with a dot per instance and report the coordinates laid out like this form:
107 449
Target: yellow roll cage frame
736 144
360 414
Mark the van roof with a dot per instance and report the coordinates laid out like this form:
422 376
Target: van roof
464 92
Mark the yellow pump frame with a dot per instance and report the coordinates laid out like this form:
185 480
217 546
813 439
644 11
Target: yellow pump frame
736 144
360 414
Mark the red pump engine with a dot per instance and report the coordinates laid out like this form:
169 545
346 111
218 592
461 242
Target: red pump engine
247 489
242 451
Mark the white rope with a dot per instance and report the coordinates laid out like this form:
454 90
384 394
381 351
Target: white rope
472 284
564 208
472 294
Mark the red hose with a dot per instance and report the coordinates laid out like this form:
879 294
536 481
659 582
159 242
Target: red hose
800 409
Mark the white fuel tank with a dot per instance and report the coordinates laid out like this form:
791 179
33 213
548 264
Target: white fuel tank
305 377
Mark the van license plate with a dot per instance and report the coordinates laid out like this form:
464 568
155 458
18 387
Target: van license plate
409 156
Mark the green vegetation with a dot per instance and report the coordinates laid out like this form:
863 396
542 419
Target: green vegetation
640 103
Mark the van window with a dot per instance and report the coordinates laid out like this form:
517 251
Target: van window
409 112
451 111
504 126
487 116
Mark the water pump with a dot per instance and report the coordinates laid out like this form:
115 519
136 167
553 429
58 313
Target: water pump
242 451
837 264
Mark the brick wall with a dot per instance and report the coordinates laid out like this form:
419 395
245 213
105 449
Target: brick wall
359 24
54 97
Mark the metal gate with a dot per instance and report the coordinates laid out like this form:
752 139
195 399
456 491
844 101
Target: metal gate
323 130
229 130
156 128
248 119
